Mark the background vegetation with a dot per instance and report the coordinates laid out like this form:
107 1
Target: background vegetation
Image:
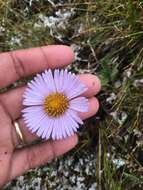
107 37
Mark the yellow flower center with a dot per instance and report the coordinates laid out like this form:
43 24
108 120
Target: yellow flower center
56 104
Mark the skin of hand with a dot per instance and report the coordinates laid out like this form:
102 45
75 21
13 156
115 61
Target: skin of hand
16 65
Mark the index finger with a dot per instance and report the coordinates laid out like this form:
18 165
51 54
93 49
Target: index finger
21 63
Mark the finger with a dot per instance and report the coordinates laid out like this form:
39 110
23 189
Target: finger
12 100
92 82
29 137
37 155
21 63
93 108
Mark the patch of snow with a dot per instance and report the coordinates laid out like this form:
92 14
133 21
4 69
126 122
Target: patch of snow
118 84
137 132
76 49
127 73
15 40
111 98
55 23
2 29
138 82
119 116
93 186
31 1
118 162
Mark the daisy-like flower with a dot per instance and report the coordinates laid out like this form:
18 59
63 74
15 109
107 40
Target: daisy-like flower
53 104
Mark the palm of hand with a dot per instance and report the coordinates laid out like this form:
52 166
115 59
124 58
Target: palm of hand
18 64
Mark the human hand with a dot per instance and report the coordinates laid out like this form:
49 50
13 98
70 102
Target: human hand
14 66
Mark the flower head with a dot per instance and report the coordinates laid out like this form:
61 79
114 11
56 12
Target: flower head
53 103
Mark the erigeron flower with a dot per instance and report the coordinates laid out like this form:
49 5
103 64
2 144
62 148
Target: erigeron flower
52 104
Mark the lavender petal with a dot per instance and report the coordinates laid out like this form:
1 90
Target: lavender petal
79 104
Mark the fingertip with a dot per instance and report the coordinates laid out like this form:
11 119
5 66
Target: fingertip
61 54
92 82
93 108
65 145
75 140
95 104
72 141
68 53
